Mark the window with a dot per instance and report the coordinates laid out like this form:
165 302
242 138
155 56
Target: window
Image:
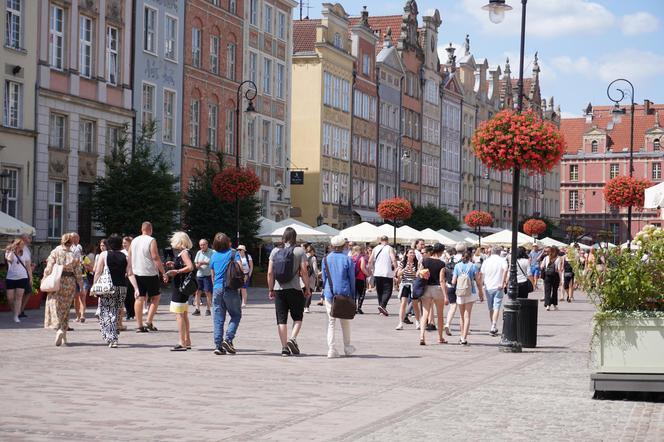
655 144
267 19
253 12
279 81
85 37
431 92
281 25
113 134
574 172
196 36
230 61
574 200
345 95
656 171
10 194
86 136
171 38
593 146
168 126
213 123
194 122
214 54
229 142
57 131
57 37
232 6
148 105
150 30
251 137
615 231
337 41
12 108
267 76
278 145
112 55
13 24
265 151
613 170
253 67
55 208
366 64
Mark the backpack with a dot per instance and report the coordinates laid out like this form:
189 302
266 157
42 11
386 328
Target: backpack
449 271
282 264
464 285
234 274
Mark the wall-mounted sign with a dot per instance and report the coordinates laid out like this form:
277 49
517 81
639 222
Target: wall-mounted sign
297 177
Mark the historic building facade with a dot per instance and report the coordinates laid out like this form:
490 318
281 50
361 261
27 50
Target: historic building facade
84 101
598 150
18 76
450 157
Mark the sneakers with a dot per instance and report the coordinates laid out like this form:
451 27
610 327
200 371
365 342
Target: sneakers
493 331
555 307
306 310
417 324
150 327
228 346
349 350
407 320
332 354
463 342
208 313
197 312
548 308
285 352
383 311
359 311
400 326
219 351
292 346
16 320
113 344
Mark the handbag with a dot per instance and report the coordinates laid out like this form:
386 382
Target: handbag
343 307
104 285
528 283
188 285
51 283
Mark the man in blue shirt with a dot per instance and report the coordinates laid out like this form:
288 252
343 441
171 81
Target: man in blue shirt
340 269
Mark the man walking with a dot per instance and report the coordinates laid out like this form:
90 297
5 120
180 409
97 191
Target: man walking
203 277
147 267
494 274
383 261
287 265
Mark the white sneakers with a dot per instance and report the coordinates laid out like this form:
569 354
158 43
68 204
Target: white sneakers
332 354
16 320
400 326
348 351
306 310
417 324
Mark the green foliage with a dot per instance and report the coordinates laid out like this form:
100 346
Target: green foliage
433 217
204 214
550 225
138 186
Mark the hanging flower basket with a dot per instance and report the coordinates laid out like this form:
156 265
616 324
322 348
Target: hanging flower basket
479 218
624 191
534 227
395 209
524 140
235 183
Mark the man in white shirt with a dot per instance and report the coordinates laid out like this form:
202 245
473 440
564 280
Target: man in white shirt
383 261
494 275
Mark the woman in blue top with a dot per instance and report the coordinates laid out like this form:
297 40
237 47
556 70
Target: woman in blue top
224 299
340 269
465 301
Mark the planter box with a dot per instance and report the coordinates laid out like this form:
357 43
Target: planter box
629 346
33 304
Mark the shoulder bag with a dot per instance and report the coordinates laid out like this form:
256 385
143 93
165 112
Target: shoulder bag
528 283
51 283
104 285
188 285
343 307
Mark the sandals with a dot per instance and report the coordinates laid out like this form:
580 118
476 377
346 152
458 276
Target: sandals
422 342
150 327
442 341
179 348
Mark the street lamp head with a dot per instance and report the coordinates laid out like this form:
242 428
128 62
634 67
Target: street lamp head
497 9
616 113
250 108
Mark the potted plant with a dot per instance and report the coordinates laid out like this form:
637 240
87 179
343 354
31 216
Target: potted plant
626 286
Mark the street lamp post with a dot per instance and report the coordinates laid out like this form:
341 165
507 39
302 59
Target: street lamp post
509 341
250 94
618 96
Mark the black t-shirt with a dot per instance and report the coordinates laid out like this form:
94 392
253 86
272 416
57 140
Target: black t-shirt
435 266
179 264
117 266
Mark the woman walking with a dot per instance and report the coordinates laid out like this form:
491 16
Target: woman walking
312 273
568 277
436 291
58 303
129 299
247 268
361 273
406 274
552 267
110 306
338 280
179 271
465 273
523 272
18 277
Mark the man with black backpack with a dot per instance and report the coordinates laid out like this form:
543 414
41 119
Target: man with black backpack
286 274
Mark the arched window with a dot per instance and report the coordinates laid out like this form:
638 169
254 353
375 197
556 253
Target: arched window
593 146
656 144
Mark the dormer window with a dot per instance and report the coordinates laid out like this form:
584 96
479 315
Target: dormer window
593 146
656 144
337 41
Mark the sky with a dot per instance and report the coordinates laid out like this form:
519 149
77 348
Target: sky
583 44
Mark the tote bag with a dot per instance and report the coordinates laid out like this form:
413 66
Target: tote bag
51 283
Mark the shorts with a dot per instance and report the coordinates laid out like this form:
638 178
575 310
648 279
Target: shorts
13 284
405 290
148 285
246 281
434 292
494 299
204 283
568 280
289 300
461 300
535 271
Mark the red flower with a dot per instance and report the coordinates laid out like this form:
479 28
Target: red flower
395 209
624 191
478 218
510 139
534 227
232 183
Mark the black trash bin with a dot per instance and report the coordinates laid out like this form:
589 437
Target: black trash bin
527 322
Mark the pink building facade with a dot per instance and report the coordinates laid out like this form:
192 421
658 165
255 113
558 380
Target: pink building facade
598 150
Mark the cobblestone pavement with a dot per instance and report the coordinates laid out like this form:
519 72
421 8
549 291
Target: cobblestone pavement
392 389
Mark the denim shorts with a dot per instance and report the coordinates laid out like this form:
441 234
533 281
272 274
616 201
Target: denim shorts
204 283
494 299
535 271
